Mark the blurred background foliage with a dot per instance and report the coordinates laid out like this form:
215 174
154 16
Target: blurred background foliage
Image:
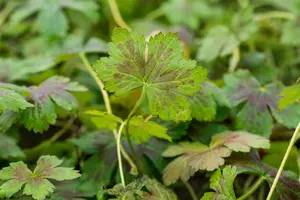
42 38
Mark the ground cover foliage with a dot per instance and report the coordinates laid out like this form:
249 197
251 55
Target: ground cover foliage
149 100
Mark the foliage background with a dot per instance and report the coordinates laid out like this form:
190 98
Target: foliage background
249 47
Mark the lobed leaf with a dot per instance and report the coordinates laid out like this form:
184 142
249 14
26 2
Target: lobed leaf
141 130
166 78
10 100
196 156
36 183
55 90
222 184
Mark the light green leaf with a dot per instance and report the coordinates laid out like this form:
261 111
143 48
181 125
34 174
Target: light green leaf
165 76
9 148
10 100
36 183
141 130
289 95
222 183
104 120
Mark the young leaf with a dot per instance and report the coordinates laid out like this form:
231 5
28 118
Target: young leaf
36 183
222 40
254 115
10 100
54 90
289 95
51 11
222 184
132 191
196 156
189 12
141 130
158 191
165 76
9 148
104 120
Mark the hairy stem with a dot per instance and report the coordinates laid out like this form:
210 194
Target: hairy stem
106 102
62 131
287 153
116 15
119 153
253 188
190 189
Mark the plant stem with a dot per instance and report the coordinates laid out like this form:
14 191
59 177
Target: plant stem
155 14
119 153
274 14
287 153
116 14
190 189
106 102
253 188
137 104
62 131
99 82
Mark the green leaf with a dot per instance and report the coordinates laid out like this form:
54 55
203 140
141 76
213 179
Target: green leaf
196 156
104 120
132 191
275 154
166 78
222 183
9 148
189 12
141 130
52 12
289 95
158 191
287 188
205 102
55 90
255 101
36 183
10 100
222 40
15 69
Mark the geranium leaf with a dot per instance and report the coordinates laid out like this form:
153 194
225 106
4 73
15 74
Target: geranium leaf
158 191
55 90
287 187
36 183
141 130
16 175
196 156
222 40
10 100
222 183
254 114
289 95
50 11
9 148
166 78
104 120
189 12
